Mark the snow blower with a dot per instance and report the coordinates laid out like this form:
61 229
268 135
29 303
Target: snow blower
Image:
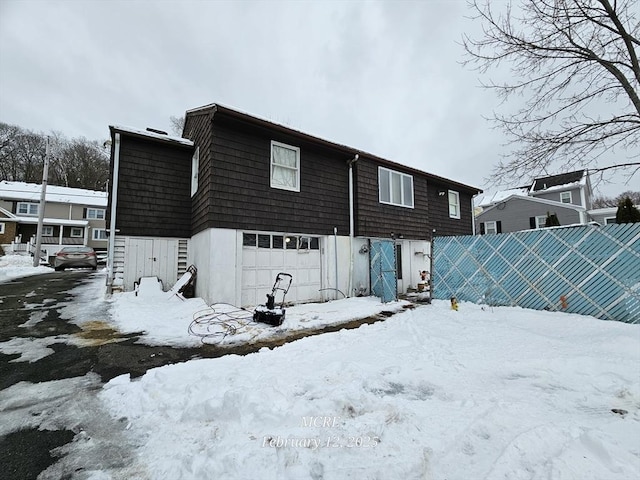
269 313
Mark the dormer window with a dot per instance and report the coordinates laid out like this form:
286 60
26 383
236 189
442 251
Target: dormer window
565 197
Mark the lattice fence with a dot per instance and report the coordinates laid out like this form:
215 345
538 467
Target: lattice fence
585 269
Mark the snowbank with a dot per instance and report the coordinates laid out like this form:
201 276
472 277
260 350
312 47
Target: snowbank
15 266
430 393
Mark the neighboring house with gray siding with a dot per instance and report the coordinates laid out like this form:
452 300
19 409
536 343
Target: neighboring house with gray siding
567 195
518 212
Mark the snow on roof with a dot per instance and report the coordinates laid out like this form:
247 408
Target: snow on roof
154 135
488 199
52 221
31 192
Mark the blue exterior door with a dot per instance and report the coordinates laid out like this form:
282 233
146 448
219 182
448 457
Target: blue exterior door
383 270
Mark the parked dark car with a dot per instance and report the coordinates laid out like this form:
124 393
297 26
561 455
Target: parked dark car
72 257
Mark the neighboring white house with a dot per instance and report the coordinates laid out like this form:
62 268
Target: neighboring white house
72 216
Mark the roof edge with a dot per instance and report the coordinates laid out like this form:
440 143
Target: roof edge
219 109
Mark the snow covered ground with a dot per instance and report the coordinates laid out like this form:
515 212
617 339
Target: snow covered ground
164 319
494 393
15 266
501 393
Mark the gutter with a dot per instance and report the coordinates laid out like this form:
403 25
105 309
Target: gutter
112 219
351 223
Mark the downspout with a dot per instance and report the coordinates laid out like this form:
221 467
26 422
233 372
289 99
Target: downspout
112 220
351 224
335 246
473 215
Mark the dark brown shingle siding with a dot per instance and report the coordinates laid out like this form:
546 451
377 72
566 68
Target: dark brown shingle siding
240 195
153 189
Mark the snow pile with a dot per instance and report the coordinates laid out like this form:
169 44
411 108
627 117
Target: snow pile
430 393
165 319
15 266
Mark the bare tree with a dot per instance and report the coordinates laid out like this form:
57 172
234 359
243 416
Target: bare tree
574 79
177 125
78 163
604 202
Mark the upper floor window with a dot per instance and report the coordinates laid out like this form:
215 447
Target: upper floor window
454 204
195 168
285 166
95 213
26 208
565 197
395 188
541 221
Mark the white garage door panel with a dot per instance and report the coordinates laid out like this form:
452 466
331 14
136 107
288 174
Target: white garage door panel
261 265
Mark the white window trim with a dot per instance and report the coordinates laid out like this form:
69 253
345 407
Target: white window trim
297 168
606 222
195 170
29 205
2 227
457 204
541 220
495 227
566 193
402 177
46 229
77 236
96 237
95 213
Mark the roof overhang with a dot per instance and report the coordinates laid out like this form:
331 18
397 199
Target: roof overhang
147 135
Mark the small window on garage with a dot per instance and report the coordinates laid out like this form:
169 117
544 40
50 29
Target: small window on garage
277 241
264 241
249 239
291 242
303 243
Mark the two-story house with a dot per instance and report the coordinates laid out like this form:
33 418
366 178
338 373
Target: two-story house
72 216
568 196
243 198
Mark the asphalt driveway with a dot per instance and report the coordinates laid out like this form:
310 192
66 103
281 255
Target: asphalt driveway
34 313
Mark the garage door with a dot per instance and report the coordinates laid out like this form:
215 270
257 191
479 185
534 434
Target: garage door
265 255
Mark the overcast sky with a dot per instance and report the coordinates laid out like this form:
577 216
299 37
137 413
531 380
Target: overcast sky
383 77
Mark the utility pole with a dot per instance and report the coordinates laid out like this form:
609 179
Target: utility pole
43 194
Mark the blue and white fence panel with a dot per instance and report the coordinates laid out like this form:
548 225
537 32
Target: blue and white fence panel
585 269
